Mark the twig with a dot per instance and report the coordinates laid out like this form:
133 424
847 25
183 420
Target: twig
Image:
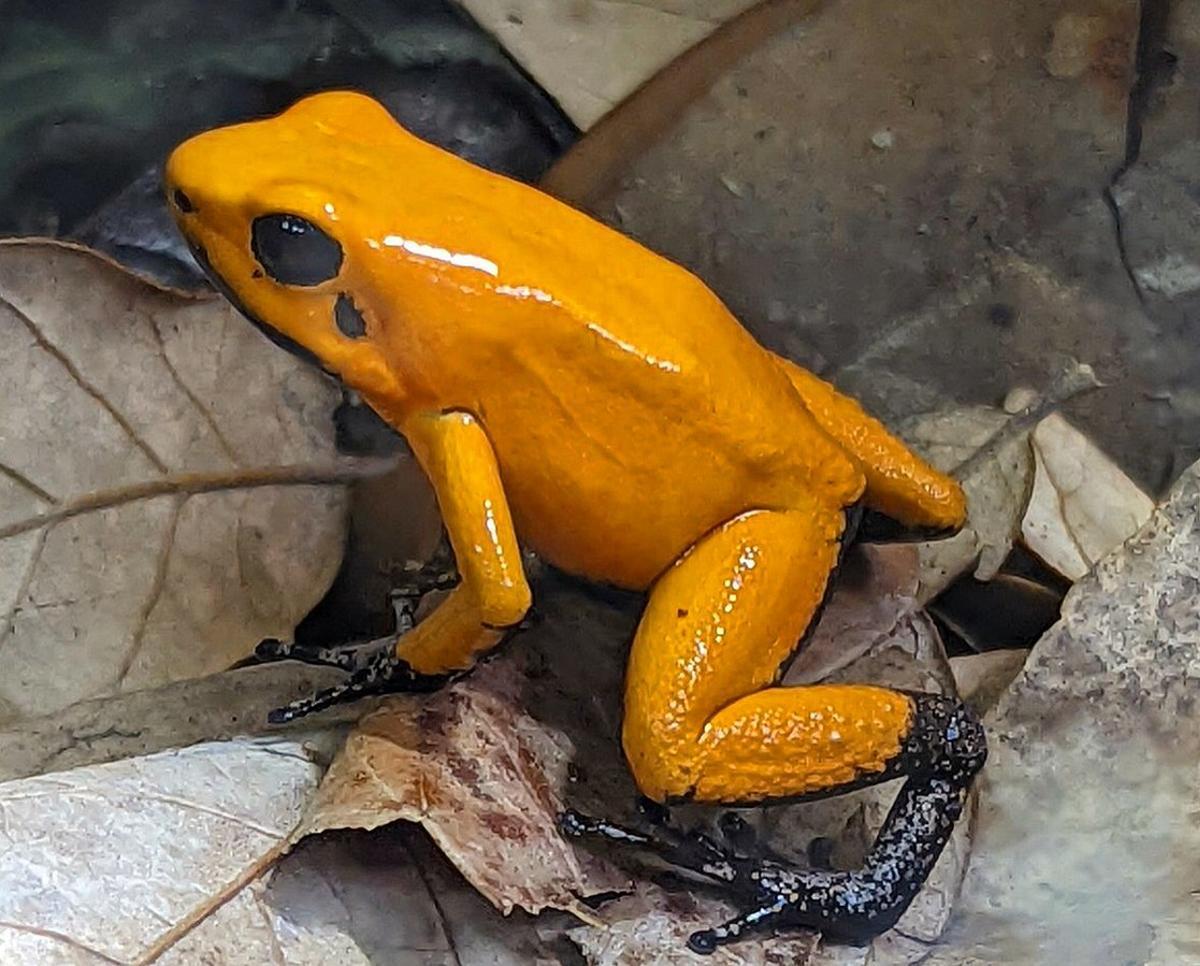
1073 380
190 484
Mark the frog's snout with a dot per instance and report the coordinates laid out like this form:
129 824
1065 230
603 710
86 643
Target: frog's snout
188 169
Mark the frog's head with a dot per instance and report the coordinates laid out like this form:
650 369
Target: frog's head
270 210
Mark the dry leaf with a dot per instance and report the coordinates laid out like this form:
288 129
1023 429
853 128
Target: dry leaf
1086 847
356 899
874 591
481 776
1082 506
592 165
175 715
589 55
997 489
112 863
982 678
139 540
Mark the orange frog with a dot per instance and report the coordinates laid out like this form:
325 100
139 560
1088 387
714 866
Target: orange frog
564 387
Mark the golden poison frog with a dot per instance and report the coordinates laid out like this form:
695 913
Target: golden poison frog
566 389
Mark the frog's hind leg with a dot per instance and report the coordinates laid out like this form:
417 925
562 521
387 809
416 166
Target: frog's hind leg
704 720
900 485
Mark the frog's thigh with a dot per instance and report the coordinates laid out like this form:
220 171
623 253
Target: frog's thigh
701 715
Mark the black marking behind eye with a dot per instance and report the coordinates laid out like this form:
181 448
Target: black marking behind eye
294 251
349 320
183 202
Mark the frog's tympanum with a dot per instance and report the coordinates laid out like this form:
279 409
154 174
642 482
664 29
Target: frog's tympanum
566 389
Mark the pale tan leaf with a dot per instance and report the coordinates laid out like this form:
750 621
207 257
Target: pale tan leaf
997 489
987 450
1082 506
135 723
168 491
590 54
111 863
982 678
1088 840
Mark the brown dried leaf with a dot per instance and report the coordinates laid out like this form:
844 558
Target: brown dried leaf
651 927
169 858
168 490
481 776
874 592
357 899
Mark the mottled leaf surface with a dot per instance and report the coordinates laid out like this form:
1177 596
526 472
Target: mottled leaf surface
481 776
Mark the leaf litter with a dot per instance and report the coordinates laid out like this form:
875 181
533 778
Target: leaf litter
475 765
486 775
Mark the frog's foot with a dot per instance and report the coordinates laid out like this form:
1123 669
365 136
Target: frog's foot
373 665
849 906
349 657
750 882
384 673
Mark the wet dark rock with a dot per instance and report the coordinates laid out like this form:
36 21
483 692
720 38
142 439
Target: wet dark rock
132 79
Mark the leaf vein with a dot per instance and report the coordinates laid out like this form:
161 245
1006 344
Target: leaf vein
58 937
35 557
205 413
157 585
334 473
26 483
73 371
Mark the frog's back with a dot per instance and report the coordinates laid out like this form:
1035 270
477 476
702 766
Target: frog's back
630 411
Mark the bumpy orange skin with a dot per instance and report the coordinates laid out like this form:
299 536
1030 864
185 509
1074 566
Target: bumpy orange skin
561 383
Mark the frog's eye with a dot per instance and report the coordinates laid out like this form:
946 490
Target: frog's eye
294 251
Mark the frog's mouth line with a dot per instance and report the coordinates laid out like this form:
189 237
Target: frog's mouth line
289 345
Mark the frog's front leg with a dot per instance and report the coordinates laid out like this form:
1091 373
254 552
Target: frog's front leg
492 596
704 720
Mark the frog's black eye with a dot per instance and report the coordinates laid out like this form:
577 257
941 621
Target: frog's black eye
294 251
349 320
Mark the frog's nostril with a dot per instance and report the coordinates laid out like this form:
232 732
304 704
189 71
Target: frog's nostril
182 201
